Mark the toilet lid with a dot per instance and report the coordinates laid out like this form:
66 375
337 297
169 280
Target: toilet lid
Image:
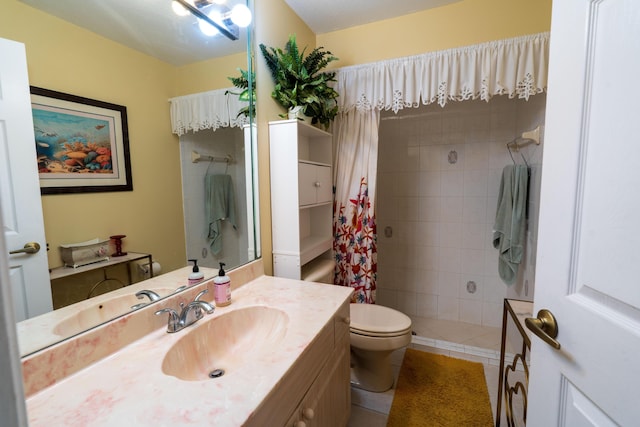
377 320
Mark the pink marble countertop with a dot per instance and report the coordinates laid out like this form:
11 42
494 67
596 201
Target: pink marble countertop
129 387
39 332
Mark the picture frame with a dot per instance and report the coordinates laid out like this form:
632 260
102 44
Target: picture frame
82 144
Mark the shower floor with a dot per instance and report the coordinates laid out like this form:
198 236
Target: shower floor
483 341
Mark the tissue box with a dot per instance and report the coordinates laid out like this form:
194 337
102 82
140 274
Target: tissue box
83 253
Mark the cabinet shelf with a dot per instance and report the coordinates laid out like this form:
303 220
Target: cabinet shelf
312 247
308 162
315 205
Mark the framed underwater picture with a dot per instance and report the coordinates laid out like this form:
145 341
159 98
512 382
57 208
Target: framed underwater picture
82 145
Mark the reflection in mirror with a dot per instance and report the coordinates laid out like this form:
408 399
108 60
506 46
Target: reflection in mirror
214 188
152 28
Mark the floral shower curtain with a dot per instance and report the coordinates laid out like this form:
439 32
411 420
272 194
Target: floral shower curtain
354 224
514 67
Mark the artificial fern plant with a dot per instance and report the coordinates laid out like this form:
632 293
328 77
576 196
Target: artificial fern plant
247 95
300 82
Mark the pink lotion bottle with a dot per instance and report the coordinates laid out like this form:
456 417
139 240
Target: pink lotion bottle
222 288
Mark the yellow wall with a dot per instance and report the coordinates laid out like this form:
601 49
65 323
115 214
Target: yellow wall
207 75
463 23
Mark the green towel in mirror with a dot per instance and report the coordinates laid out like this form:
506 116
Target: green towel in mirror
219 206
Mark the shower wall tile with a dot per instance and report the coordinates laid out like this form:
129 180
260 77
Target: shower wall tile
492 314
476 155
475 183
472 261
495 289
430 209
387 297
471 311
448 284
427 305
450 260
442 212
407 303
408 209
452 156
474 210
428 282
427 233
478 279
451 209
448 308
450 234
428 257
452 183
473 236
429 184
430 158
405 184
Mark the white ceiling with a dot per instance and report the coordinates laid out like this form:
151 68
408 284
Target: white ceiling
151 27
323 16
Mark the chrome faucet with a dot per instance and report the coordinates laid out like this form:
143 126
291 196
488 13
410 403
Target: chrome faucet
189 315
141 294
150 294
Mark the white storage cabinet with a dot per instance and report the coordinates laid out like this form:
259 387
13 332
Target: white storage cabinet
301 196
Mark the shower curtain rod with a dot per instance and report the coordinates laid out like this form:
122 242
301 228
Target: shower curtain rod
197 157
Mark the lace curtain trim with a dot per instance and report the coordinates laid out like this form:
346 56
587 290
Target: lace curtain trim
513 67
206 110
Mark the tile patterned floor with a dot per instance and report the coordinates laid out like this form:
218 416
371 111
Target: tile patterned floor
455 339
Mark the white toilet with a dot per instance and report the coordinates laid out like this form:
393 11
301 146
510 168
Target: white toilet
376 332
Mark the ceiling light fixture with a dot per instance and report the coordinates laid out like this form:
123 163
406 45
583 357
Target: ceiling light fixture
214 17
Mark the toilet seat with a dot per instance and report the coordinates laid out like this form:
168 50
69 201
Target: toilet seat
378 321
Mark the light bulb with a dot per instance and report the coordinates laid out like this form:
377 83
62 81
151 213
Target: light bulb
179 9
208 29
241 15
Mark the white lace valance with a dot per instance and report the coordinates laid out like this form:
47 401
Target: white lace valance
513 67
207 110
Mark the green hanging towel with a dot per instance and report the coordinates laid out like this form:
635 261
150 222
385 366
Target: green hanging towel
510 224
219 206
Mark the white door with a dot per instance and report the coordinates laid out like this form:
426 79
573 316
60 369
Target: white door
19 188
588 267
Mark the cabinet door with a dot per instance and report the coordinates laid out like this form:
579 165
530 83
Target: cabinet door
328 401
315 184
307 184
323 184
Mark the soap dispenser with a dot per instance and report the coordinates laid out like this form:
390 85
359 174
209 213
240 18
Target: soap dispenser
196 275
222 287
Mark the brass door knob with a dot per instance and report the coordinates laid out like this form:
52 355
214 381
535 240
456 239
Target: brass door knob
545 327
29 248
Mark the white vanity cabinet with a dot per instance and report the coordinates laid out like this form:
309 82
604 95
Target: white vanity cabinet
316 391
301 195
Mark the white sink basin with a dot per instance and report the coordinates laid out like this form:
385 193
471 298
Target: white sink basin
227 342
100 312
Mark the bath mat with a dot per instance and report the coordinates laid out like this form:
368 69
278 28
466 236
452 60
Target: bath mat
436 390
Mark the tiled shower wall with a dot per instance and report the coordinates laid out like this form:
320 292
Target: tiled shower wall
439 174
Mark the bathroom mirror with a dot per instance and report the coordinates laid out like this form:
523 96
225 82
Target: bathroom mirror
173 36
